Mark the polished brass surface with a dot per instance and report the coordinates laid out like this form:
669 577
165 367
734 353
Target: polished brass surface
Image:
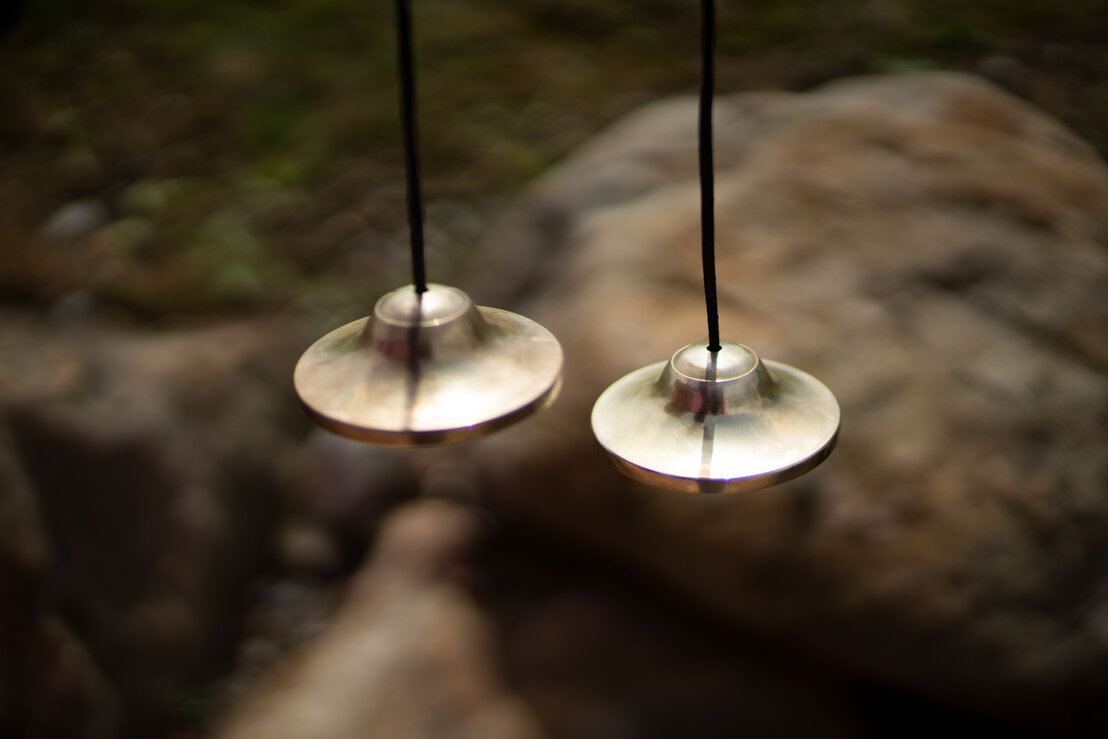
428 368
716 422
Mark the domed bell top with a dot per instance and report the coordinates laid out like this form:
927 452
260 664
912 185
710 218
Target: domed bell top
711 422
438 323
428 368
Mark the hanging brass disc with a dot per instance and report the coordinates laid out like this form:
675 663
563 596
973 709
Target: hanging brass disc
716 422
428 368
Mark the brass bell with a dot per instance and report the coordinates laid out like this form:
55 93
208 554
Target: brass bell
428 368
716 422
715 418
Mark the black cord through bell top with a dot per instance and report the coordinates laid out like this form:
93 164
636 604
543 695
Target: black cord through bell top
411 153
707 183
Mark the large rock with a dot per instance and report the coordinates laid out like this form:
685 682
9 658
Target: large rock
937 252
49 686
456 628
140 478
408 654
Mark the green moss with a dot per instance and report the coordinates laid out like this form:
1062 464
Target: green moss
202 120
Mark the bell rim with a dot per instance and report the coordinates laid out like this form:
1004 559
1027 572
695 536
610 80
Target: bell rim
536 395
672 473
721 485
432 437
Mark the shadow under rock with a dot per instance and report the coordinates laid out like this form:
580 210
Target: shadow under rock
597 652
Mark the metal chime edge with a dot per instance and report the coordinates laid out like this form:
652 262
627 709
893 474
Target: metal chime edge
531 348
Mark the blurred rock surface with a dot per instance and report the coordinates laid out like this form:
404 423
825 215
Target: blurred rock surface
49 686
75 220
143 490
455 628
936 251
406 656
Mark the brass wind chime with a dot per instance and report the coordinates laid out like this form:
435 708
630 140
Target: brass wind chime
430 367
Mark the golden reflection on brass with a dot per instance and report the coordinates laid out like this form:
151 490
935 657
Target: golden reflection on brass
716 422
428 368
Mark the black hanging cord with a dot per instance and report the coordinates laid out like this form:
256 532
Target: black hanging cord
707 177
411 153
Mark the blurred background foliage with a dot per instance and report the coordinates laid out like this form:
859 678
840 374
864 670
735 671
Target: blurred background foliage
168 159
